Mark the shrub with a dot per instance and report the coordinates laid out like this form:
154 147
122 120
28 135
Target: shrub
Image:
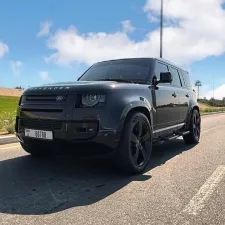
209 110
7 122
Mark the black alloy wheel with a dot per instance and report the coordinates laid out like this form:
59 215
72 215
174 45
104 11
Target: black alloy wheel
196 125
135 147
195 129
140 142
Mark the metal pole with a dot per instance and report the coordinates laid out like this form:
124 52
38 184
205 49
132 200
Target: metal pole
161 31
198 91
213 91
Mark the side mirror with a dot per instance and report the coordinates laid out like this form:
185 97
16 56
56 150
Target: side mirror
165 77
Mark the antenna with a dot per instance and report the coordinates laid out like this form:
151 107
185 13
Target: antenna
161 30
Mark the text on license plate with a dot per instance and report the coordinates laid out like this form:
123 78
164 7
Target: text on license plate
41 134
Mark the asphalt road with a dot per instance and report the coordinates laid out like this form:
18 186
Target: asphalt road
182 185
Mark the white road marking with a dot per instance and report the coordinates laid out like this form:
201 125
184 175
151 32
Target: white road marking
199 200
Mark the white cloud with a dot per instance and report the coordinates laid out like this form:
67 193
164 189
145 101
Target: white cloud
193 31
70 46
44 75
152 18
16 67
4 49
219 93
127 26
44 29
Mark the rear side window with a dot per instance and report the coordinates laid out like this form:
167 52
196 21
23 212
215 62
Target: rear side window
176 78
187 79
160 68
181 78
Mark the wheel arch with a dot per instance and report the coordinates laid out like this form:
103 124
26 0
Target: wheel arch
143 110
194 107
136 107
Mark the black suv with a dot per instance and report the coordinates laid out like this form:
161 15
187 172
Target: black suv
121 106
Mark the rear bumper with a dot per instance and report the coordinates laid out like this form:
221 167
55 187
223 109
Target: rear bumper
73 132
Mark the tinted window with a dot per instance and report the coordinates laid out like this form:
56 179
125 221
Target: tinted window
181 78
175 75
132 70
186 79
160 68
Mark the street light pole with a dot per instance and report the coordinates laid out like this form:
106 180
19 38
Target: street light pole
213 91
161 30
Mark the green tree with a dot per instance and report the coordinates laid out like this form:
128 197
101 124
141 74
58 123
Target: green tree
19 87
223 101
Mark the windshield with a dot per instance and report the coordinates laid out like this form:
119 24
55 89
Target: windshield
136 71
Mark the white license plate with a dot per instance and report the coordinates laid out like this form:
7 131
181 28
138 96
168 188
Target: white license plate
41 134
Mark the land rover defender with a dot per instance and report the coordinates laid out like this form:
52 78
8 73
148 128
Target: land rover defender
122 106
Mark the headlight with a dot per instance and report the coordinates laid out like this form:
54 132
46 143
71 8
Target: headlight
92 99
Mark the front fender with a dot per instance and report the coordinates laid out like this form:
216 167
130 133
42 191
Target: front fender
137 106
133 105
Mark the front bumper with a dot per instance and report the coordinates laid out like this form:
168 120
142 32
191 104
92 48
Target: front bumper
69 132
70 123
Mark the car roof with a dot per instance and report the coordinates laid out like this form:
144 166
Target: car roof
147 58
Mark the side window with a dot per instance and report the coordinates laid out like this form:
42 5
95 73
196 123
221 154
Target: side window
186 79
160 68
176 78
181 78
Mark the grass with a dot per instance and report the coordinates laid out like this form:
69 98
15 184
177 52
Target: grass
211 110
204 108
8 106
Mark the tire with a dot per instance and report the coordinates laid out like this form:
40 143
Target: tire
195 129
135 147
34 148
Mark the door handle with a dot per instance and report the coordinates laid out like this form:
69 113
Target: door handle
174 95
187 95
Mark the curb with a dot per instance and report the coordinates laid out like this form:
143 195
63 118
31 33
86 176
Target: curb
212 113
8 139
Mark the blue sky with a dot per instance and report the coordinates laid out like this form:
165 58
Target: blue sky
73 41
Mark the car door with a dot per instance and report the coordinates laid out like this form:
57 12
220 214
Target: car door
182 95
165 103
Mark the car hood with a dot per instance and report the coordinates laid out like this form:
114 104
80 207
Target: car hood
78 87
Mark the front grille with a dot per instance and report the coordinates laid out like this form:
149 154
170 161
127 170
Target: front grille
42 110
41 124
46 98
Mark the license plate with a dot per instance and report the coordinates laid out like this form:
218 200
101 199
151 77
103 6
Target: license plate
40 134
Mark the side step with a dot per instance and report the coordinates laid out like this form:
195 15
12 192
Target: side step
174 136
169 138
184 133
178 135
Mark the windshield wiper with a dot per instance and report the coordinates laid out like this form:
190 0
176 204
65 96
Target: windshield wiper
117 79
